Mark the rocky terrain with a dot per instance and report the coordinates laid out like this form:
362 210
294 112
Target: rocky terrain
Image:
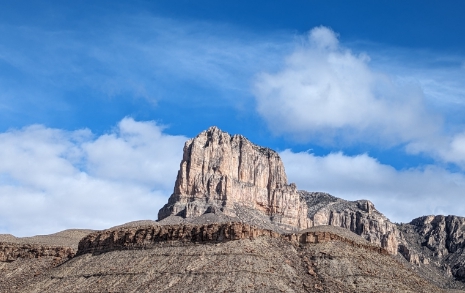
234 224
233 257
23 259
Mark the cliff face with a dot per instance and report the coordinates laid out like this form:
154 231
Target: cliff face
360 217
146 237
436 243
219 172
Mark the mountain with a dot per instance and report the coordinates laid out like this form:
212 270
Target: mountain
235 224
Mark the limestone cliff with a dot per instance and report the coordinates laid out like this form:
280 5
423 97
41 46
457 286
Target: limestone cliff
220 172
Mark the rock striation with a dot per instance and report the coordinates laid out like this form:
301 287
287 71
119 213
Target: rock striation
145 237
220 173
12 251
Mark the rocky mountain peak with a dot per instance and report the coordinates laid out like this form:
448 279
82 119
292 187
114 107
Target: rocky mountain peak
220 172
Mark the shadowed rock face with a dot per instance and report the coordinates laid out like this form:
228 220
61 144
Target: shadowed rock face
436 246
219 172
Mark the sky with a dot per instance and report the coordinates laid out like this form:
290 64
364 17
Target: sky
362 99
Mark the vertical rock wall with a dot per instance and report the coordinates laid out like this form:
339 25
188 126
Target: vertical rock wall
219 171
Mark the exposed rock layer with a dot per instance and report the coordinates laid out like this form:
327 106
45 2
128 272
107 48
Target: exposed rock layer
21 263
258 261
145 237
11 251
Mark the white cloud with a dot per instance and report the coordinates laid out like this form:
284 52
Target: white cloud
448 149
323 38
136 152
326 91
400 195
52 179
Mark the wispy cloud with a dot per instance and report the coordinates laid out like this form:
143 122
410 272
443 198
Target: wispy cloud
129 57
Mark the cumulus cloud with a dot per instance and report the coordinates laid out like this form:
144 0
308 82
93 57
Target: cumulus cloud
400 195
51 179
326 91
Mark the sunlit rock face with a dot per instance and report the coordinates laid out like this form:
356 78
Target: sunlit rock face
219 172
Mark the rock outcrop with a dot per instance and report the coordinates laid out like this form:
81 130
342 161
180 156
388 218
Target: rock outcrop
146 236
220 173
436 245
12 251
20 263
360 217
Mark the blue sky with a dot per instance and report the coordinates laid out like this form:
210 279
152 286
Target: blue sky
362 99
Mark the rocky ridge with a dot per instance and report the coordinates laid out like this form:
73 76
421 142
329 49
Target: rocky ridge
232 257
10 252
23 259
435 246
360 217
145 236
